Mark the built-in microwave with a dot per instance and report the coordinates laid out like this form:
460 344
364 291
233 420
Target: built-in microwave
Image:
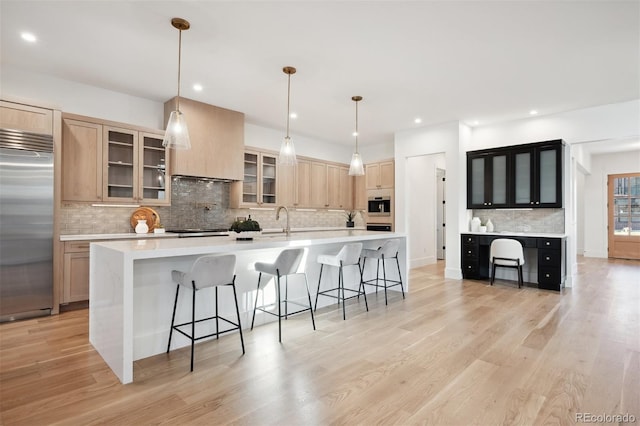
379 206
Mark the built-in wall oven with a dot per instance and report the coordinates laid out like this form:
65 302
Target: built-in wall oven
379 206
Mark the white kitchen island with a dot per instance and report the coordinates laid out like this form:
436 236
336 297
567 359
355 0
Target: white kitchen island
131 293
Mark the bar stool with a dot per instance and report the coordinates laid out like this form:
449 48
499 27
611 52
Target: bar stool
207 271
349 255
286 264
506 253
388 250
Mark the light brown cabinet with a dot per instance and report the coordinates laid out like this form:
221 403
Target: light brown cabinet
217 141
379 175
81 161
360 193
104 161
287 185
318 197
260 181
303 184
75 281
26 118
339 187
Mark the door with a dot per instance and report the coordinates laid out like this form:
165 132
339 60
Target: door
441 215
624 215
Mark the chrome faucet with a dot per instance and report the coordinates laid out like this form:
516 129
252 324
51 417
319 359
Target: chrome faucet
287 230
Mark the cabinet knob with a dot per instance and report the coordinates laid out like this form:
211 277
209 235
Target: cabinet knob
531 202
469 252
489 203
548 258
537 202
548 243
547 275
485 204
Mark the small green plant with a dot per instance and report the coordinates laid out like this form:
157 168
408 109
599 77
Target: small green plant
245 225
351 215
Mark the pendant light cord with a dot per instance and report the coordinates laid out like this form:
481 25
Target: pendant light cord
179 63
288 101
356 127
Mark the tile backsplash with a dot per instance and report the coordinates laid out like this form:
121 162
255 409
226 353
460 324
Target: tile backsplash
524 220
194 204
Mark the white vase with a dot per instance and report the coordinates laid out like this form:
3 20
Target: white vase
489 226
142 227
475 224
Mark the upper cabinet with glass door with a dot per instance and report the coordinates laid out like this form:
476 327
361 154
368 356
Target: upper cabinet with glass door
135 167
487 180
515 177
260 181
537 172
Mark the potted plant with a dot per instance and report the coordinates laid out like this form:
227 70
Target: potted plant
245 229
351 214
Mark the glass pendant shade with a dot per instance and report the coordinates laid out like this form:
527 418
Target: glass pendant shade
356 168
287 153
177 134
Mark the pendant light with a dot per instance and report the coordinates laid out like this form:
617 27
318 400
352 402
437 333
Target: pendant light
287 150
356 168
177 134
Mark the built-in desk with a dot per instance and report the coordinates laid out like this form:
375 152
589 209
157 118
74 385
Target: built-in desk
545 262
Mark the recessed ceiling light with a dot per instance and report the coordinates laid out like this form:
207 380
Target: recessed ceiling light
533 112
293 115
197 87
475 122
355 133
418 120
31 38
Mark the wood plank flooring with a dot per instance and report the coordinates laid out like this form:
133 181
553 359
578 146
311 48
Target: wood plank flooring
454 352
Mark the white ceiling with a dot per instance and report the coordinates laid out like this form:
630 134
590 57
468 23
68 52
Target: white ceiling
438 60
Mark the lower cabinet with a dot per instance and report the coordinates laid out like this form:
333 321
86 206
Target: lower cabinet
75 281
551 265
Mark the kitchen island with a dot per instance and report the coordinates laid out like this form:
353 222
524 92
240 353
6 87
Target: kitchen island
131 292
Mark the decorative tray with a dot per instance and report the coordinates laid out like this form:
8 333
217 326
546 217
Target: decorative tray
145 213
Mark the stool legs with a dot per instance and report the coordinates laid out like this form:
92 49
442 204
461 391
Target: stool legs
193 322
235 297
173 317
341 297
280 315
376 280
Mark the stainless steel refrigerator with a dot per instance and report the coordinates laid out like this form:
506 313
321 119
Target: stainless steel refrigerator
26 225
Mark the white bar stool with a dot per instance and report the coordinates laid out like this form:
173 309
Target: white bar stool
286 264
349 255
207 271
388 250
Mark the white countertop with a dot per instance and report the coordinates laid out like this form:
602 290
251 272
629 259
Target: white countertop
161 247
132 235
519 234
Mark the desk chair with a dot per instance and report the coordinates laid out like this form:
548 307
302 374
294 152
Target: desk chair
507 253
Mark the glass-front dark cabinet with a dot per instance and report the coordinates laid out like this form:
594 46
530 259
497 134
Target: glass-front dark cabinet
487 180
515 177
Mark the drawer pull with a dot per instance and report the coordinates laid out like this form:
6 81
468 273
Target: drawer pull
548 258
469 252
548 243
547 275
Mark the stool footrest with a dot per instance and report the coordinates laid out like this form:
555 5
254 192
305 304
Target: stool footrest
324 293
217 333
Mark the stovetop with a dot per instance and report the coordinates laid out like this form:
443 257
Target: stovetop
197 232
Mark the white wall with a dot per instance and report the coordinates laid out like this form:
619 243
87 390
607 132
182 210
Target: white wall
77 98
451 140
595 199
422 208
613 121
267 138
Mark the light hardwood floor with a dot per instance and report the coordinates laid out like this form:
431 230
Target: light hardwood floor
454 352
